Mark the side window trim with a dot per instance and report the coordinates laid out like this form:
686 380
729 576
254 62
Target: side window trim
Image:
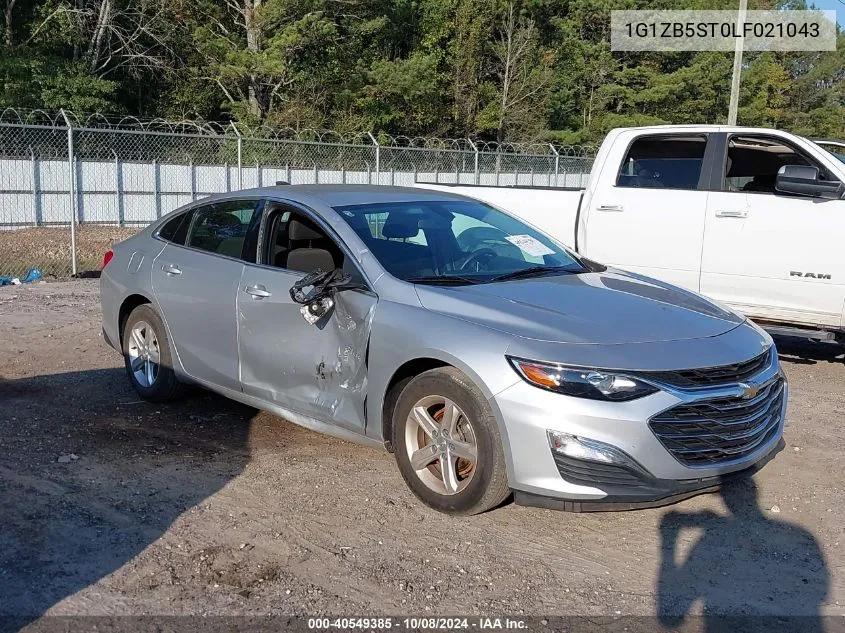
702 181
715 159
768 137
271 204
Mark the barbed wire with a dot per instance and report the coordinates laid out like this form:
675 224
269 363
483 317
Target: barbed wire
231 130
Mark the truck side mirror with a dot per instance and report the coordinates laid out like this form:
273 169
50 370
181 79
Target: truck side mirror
803 180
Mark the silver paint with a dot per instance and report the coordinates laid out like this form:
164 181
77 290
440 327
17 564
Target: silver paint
333 376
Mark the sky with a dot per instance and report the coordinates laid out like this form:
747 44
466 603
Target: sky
832 5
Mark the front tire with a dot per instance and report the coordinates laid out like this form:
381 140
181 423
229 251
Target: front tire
147 356
447 443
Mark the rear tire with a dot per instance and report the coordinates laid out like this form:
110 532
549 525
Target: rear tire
447 443
147 356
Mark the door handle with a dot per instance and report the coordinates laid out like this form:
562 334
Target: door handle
731 214
171 269
610 207
258 291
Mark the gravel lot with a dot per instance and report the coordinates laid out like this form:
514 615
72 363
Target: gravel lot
109 505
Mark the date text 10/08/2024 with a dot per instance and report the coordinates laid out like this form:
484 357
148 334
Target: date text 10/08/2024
417 623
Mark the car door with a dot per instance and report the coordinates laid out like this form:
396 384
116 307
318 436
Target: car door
648 215
318 370
770 255
195 281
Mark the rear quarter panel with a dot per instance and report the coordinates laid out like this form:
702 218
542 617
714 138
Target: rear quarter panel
128 273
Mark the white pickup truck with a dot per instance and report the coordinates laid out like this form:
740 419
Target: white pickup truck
753 218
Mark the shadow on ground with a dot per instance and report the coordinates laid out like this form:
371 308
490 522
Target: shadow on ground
90 476
807 352
728 568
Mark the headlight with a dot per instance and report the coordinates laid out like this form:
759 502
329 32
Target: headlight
594 384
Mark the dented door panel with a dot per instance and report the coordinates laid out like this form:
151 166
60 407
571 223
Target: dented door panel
315 370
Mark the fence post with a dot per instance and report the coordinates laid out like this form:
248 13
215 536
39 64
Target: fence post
240 157
378 156
157 188
557 162
71 161
193 169
475 151
36 187
118 190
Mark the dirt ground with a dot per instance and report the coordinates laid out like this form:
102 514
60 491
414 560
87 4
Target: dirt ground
49 249
109 505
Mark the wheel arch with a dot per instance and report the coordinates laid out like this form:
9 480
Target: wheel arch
427 360
398 380
126 307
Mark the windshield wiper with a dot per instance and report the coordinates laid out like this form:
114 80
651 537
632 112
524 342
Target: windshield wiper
534 271
443 279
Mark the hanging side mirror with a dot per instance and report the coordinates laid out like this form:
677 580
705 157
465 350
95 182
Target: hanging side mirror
803 180
315 292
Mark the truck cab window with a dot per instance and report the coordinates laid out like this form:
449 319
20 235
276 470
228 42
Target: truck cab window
663 162
753 162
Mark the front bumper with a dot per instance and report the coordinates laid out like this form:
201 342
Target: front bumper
652 476
649 492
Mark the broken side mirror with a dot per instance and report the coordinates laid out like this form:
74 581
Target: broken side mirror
804 180
315 292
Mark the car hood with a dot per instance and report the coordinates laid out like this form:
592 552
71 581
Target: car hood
604 308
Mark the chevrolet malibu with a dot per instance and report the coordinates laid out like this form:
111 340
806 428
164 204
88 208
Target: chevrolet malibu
487 357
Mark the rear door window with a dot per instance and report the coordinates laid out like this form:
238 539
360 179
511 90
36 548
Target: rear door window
176 229
222 228
663 162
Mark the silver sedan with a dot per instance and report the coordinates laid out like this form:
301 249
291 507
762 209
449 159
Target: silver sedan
487 357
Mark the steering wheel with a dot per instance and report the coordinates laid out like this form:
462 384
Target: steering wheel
477 255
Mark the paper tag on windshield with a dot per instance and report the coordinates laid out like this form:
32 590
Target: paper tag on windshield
529 245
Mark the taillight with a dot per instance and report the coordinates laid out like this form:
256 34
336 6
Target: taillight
106 259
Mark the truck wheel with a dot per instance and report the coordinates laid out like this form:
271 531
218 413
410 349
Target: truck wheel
147 357
447 443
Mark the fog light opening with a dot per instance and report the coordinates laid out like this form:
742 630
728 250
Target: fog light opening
582 448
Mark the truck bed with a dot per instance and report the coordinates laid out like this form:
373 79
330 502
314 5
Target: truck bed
553 210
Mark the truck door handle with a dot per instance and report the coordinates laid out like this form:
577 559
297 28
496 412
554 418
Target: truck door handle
731 214
171 269
610 207
258 291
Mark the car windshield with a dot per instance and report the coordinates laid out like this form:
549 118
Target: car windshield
455 241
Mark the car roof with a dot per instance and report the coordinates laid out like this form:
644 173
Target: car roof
342 195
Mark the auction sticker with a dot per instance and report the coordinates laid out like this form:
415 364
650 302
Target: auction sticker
529 245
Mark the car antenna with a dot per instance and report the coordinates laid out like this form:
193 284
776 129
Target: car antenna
282 182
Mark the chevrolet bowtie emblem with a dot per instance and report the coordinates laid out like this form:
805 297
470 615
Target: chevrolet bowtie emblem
749 391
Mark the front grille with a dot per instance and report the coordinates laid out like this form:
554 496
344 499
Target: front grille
711 376
707 432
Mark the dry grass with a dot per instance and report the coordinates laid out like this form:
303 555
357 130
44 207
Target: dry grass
49 249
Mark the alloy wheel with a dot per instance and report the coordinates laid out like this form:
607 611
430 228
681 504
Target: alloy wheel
144 354
441 445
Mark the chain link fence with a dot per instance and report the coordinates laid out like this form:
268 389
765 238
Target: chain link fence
71 186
